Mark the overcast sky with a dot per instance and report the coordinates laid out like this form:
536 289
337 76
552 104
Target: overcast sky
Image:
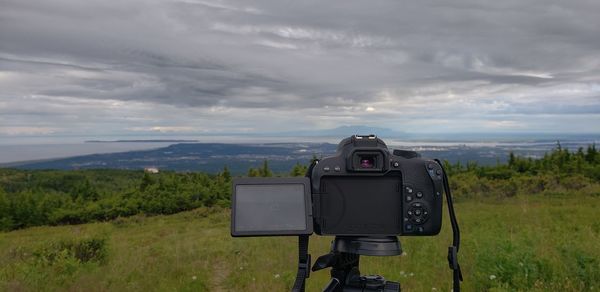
100 67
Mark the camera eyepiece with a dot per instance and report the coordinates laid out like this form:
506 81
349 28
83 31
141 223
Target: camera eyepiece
367 161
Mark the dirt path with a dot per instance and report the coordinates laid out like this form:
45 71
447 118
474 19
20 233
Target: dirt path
220 276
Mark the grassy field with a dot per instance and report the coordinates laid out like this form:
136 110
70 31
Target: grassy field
543 243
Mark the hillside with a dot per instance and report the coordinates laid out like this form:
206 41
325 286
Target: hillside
206 157
542 243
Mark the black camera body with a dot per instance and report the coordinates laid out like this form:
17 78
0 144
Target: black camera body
364 190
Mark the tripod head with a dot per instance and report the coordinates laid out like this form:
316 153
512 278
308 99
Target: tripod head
344 257
370 246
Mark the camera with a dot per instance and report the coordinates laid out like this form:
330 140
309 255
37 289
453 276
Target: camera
365 195
363 190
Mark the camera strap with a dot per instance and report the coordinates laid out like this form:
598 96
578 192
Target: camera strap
303 264
453 249
303 256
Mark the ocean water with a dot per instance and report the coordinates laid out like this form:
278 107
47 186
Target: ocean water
27 152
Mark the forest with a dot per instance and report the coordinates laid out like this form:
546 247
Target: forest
53 197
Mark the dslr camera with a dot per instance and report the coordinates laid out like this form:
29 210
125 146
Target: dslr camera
365 195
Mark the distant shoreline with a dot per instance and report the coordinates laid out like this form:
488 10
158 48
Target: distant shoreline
141 141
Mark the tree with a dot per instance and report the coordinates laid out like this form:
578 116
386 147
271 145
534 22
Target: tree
298 170
511 159
226 175
591 154
253 172
6 221
147 180
265 171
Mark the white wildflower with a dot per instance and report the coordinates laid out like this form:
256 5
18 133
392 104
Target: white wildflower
194 278
277 276
403 254
411 274
492 277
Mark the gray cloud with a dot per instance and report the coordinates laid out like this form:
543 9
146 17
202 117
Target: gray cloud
93 67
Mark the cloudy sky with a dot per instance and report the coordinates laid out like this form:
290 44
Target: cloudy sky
99 67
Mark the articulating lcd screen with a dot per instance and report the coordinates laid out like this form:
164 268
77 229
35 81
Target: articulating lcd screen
270 209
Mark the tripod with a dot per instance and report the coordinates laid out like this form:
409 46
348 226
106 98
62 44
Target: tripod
344 257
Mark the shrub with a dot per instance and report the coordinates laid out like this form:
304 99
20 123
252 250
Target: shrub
84 250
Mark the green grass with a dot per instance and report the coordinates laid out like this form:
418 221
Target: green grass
543 243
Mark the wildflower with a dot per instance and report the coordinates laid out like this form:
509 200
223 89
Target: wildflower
403 254
411 274
241 268
277 276
492 277
194 278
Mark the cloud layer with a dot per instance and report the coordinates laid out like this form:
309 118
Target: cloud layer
189 66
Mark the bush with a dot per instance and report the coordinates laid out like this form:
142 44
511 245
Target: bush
83 251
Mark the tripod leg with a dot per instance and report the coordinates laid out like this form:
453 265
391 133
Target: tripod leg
332 285
345 269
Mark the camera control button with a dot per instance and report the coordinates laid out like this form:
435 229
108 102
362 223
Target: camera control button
408 227
409 190
419 195
420 229
409 198
410 212
430 165
438 171
418 212
396 164
326 169
337 169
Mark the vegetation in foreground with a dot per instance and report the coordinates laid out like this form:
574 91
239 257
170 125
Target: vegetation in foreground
524 243
527 225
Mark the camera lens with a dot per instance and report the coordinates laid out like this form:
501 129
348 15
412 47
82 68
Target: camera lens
367 162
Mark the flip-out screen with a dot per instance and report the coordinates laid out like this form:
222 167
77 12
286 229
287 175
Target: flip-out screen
271 206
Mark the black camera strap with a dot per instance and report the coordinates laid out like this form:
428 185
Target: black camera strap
303 264
303 256
452 250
